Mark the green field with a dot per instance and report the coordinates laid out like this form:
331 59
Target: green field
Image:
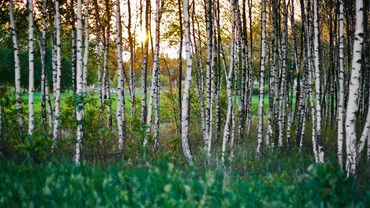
266 183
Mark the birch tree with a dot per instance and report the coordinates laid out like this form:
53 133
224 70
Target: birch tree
79 87
17 69
144 66
209 119
340 118
261 84
317 83
74 49
120 88
43 63
86 45
228 75
352 105
154 94
58 77
282 90
185 99
180 59
31 71
132 73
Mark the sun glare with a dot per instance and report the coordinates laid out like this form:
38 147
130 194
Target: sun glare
141 35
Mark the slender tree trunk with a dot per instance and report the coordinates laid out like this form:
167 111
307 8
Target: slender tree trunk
262 71
17 70
282 93
229 75
310 77
120 88
132 73
74 49
218 73
352 105
180 59
144 66
185 99
200 74
58 77
79 90
208 17
43 72
229 96
364 136
340 118
317 83
86 47
31 81
154 94
250 70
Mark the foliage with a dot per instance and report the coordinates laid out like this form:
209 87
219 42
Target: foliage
163 184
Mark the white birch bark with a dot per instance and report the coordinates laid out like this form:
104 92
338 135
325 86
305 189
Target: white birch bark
58 77
74 50
79 90
132 73
262 71
364 135
17 69
154 93
31 70
352 104
186 95
144 66
120 88
209 82
229 86
282 92
86 47
43 73
340 117
317 83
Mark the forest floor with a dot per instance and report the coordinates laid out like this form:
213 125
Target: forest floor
265 183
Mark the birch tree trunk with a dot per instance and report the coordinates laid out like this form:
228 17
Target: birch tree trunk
352 105
208 16
31 81
74 49
340 130
282 92
262 71
144 66
43 73
250 69
180 60
17 70
86 47
185 99
229 85
79 90
317 83
120 88
58 76
154 94
132 73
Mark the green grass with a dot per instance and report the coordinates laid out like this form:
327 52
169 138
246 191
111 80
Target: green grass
164 184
